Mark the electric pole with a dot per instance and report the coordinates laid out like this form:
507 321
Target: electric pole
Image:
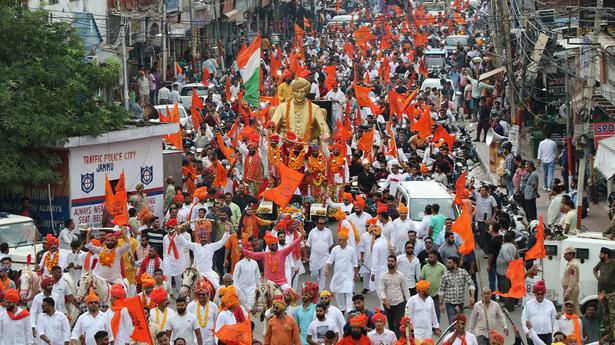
588 99
164 41
509 58
124 67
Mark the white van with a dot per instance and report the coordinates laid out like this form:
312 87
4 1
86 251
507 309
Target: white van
587 245
22 237
418 194
435 59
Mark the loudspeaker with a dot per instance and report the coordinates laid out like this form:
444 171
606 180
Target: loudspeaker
492 137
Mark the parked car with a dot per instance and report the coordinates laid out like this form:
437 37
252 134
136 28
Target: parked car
184 120
22 237
185 93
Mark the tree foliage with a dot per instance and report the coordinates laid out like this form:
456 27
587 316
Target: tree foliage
47 94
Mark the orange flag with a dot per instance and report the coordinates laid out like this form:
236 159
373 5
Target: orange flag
396 104
420 39
362 95
385 70
516 274
237 334
463 227
195 110
331 79
363 35
460 185
178 69
538 250
423 68
441 133
337 6
410 98
299 33
221 178
230 155
458 19
423 125
291 179
140 325
294 63
116 204
366 142
205 77
274 65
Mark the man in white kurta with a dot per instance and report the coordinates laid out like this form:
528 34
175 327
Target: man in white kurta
125 328
359 218
246 277
206 312
410 266
320 241
401 226
15 324
338 100
204 253
380 252
174 260
345 265
365 260
112 273
90 323
74 261
422 311
53 257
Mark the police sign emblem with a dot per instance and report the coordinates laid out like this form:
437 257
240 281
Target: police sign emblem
87 182
147 174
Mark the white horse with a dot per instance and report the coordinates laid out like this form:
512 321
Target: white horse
29 284
266 290
189 279
101 286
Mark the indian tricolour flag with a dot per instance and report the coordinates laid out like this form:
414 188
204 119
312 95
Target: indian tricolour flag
248 63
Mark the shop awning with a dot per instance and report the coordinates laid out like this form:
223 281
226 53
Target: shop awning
605 157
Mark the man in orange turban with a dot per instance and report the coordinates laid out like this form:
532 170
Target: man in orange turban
121 323
161 314
147 286
422 310
358 333
91 322
52 257
381 335
345 264
15 326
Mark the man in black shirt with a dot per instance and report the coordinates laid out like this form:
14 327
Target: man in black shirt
355 167
428 249
493 250
242 199
484 114
155 234
367 179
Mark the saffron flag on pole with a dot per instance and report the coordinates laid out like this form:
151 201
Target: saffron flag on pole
460 186
366 142
140 331
463 227
291 179
538 250
116 203
248 63
516 274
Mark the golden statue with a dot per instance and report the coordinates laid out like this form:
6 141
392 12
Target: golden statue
300 116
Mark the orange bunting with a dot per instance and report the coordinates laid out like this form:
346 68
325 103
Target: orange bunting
463 227
291 179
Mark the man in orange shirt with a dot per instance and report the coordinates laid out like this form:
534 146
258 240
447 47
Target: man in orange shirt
281 329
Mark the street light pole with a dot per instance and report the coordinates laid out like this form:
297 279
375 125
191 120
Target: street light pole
164 41
124 67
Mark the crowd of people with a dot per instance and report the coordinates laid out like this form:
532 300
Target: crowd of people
200 270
